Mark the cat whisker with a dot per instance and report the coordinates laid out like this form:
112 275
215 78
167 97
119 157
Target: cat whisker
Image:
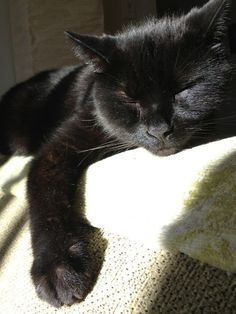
81 161
228 118
202 134
108 145
105 145
105 149
95 125
200 128
115 149
87 120
92 123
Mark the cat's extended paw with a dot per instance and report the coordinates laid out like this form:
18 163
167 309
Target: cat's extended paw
63 280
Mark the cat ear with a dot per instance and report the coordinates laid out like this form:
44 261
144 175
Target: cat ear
93 49
210 20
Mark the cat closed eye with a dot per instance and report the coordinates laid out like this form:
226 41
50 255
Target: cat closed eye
181 93
188 86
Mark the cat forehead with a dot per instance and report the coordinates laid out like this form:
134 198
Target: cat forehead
155 43
153 47
169 29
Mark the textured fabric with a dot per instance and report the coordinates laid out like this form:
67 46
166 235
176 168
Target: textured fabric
135 276
185 202
133 279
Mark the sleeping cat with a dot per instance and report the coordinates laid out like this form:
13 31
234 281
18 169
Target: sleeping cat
163 85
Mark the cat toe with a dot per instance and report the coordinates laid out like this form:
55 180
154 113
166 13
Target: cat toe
71 285
61 284
46 291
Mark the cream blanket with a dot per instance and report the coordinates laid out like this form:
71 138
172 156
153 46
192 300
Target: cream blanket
147 206
184 202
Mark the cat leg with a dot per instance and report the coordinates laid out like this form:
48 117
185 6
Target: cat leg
60 270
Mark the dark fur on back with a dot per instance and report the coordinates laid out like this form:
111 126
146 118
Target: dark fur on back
164 85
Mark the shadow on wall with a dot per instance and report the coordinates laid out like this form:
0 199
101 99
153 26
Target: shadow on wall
177 7
38 32
7 75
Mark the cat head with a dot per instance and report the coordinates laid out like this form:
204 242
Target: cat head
158 84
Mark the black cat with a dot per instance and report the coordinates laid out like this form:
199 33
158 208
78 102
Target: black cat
161 85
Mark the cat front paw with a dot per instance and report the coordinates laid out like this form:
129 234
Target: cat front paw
62 280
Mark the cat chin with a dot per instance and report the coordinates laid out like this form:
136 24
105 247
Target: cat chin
165 152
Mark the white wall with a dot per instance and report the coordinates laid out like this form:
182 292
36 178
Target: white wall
7 75
38 27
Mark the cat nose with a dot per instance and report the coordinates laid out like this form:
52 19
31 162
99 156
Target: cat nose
160 132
